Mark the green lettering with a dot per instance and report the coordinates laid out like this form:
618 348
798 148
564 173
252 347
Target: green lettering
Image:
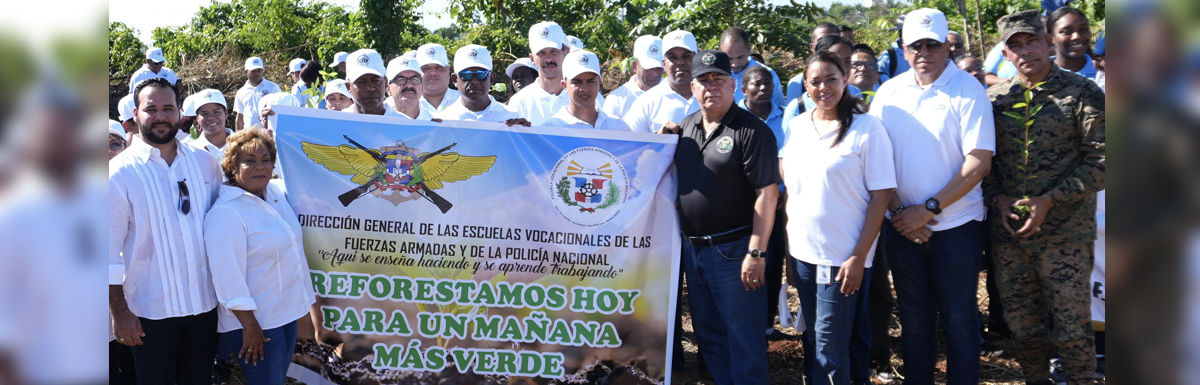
373 322
387 357
399 325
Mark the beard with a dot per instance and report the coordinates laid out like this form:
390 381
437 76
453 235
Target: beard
151 137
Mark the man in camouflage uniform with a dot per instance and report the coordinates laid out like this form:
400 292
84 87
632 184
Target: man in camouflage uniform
1044 262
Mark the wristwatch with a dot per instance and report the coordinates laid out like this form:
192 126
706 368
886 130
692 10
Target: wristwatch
896 211
755 253
933 205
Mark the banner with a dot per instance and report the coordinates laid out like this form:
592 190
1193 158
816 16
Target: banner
452 249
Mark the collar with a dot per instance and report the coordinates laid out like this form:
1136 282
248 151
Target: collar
1053 81
230 192
144 151
1088 66
202 141
776 110
942 80
726 121
565 115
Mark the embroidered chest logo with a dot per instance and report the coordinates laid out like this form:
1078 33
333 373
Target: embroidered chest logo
724 144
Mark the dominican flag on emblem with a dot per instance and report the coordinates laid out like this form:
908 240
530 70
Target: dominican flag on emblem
589 190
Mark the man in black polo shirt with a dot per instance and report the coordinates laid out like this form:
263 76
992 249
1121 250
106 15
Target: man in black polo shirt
728 170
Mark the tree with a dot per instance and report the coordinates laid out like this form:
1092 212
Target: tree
391 26
125 51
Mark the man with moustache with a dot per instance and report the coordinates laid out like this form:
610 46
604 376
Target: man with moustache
728 170
404 85
435 77
669 101
365 75
735 42
1044 261
581 82
647 73
161 298
943 138
542 99
473 75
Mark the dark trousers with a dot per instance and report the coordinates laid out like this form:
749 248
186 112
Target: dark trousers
177 350
882 303
936 282
777 253
120 364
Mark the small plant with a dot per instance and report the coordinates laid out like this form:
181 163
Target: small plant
1027 111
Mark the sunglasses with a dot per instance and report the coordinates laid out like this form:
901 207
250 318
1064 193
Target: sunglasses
116 145
185 202
932 45
469 75
400 80
864 65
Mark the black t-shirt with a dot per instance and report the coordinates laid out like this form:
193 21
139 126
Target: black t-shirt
719 176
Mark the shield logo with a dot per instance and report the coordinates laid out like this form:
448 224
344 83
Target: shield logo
926 21
708 59
430 52
362 60
544 32
654 50
583 59
208 94
264 93
725 144
473 54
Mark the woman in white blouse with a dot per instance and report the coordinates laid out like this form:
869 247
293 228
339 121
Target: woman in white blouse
256 255
838 168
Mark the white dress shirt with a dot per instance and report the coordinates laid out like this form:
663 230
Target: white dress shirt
155 250
536 105
145 73
448 100
495 112
423 115
603 122
932 131
658 106
831 187
621 99
247 100
203 144
256 254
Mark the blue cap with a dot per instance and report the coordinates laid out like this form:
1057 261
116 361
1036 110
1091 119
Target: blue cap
1053 5
1099 49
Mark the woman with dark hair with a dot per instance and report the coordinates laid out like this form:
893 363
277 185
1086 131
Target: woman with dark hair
310 76
1071 33
838 168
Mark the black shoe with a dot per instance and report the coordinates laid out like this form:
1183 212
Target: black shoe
998 332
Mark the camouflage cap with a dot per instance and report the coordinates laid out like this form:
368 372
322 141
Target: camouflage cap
1025 21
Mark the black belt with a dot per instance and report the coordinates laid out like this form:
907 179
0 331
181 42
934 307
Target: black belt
721 238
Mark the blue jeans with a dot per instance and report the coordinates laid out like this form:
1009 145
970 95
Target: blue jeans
728 320
837 343
272 370
937 281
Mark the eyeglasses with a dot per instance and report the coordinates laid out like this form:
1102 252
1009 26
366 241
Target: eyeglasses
116 145
400 80
469 75
860 65
933 46
185 202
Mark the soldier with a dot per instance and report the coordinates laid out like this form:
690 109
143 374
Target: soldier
1044 261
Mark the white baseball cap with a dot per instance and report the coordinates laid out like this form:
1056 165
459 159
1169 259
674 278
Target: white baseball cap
339 58
201 98
401 64
546 34
189 106
338 86
925 23
278 99
647 49
125 107
522 62
253 63
296 65
362 62
472 55
578 62
574 43
155 54
679 38
115 128
432 53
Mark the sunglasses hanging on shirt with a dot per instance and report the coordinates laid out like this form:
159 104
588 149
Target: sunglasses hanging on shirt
185 202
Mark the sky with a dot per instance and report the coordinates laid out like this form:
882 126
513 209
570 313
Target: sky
146 15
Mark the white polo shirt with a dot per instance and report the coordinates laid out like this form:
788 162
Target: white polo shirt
621 99
932 130
203 144
422 104
834 185
246 101
448 100
603 122
423 115
495 112
145 73
658 106
537 105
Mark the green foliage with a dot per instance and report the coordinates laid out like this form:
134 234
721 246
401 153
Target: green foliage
125 52
1025 113
391 26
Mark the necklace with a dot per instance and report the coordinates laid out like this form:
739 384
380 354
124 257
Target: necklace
813 118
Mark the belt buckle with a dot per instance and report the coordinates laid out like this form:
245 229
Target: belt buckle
708 239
